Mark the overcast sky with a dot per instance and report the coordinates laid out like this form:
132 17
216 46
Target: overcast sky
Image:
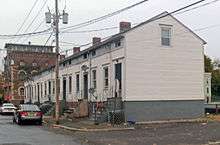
13 13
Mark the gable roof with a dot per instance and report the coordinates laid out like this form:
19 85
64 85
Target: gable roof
162 15
120 35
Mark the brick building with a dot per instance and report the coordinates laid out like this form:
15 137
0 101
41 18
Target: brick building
20 63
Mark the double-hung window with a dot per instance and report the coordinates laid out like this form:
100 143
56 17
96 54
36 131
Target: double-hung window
94 85
70 84
106 77
77 83
165 36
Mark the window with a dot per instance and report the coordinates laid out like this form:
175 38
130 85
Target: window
70 62
118 44
94 53
49 85
53 87
22 63
41 90
45 89
21 91
77 83
34 64
165 36
70 84
94 79
85 56
22 75
106 79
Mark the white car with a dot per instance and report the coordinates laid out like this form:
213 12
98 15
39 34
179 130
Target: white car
7 108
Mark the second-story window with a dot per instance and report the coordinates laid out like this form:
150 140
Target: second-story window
106 77
165 36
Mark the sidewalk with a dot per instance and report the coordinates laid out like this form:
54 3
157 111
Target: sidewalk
84 125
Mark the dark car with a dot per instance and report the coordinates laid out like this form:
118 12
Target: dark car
27 113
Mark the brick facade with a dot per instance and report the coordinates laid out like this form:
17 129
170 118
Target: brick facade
21 64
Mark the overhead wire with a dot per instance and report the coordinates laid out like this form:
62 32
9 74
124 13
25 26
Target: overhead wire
27 16
38 13
89 22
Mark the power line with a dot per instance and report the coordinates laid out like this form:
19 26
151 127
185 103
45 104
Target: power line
80 25
35 30
27 17
34 18
48 39
206 4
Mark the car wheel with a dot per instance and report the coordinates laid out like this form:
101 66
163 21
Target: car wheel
14 121
39 122
19 122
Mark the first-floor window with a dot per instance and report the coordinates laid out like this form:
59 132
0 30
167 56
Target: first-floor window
70 84
77 83
94 85
53 87
45 89
106 77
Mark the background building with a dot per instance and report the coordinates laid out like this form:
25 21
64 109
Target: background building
21 62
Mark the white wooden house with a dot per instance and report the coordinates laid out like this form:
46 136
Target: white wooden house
157 67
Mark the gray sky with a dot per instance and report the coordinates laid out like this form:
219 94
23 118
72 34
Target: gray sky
13 12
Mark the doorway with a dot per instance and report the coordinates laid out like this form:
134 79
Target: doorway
85 86
64 89
118 80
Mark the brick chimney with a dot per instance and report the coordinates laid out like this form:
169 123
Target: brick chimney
76 50
124 26
96 40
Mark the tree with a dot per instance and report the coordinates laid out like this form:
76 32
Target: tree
208 64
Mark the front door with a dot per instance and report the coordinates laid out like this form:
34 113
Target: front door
64 89
118 79
85 84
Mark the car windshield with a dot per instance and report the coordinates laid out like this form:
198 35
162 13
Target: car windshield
30 108
8 105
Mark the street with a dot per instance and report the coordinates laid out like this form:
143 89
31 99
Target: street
13 134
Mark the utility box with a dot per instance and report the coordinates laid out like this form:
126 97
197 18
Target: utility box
65 18
48 17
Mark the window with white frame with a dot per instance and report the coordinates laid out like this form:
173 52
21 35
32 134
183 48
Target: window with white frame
53 82
70 84
165 36
45 89
77 83
94 83
106 77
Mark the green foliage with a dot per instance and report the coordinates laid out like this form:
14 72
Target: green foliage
208 64
216 83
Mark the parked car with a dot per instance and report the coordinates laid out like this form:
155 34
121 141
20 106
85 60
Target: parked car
28 113
7 108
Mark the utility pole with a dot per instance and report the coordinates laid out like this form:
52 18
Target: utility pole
56 17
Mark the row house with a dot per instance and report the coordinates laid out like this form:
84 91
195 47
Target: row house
156 68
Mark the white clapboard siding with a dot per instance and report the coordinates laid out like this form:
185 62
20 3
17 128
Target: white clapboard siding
155 72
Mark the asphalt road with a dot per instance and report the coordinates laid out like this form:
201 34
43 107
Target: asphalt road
163 134
13 134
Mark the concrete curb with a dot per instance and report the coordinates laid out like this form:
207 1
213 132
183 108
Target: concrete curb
92 130
173 121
